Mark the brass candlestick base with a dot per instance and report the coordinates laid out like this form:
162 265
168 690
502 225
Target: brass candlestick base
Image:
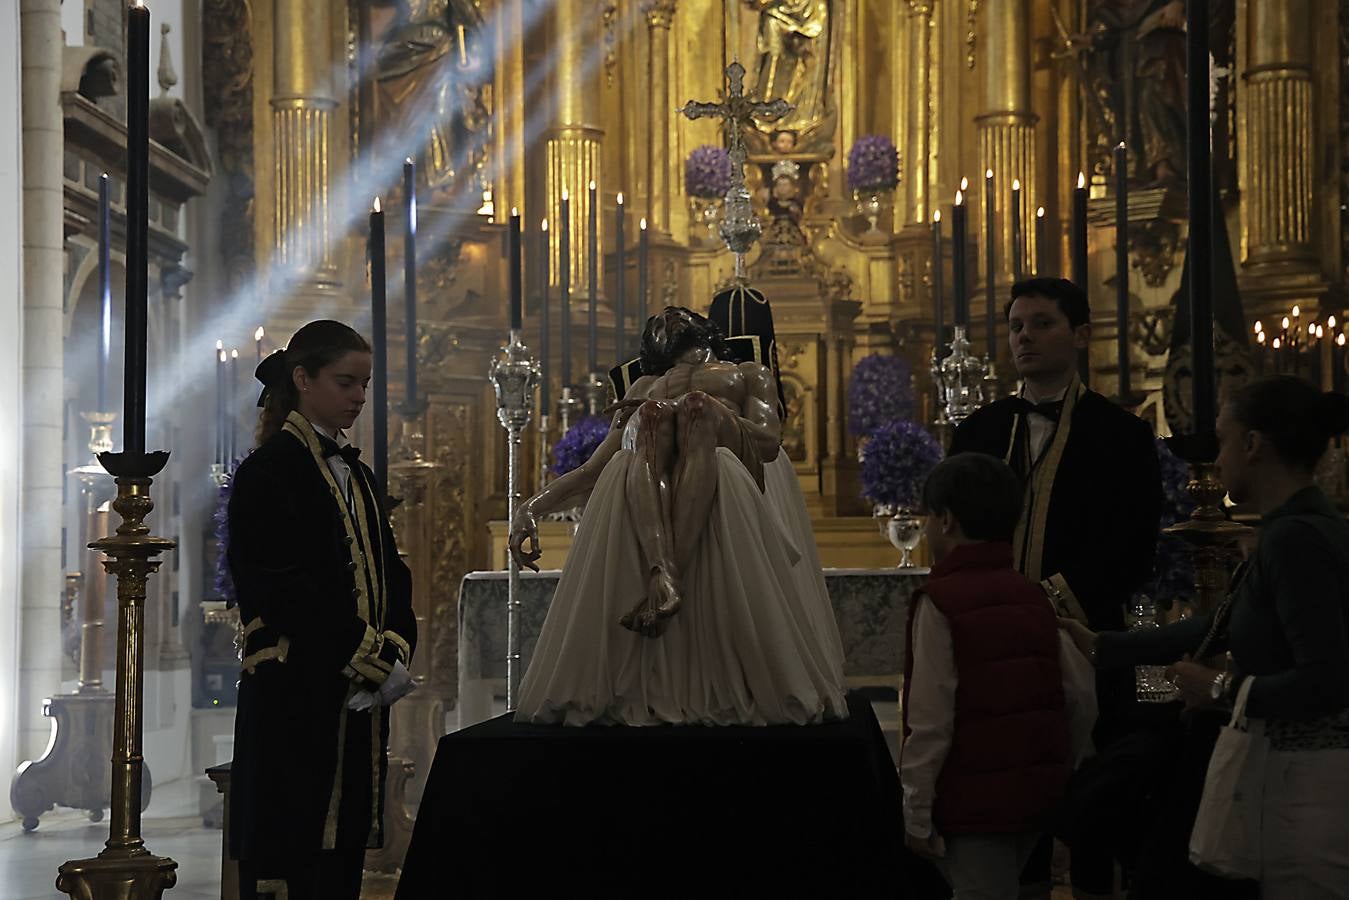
1211 536
125 870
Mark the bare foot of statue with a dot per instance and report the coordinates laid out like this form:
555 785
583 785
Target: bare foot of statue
663 600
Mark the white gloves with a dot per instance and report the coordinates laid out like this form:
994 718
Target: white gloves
397 686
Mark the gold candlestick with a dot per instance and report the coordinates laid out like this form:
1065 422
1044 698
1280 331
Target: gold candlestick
125 869
1211 536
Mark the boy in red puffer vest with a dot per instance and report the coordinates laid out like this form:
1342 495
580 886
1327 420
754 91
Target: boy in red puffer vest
987 747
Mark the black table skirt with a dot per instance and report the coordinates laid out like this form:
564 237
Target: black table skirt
663 812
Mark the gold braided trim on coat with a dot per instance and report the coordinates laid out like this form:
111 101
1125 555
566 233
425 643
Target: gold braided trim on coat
277 652
1028 545
404 649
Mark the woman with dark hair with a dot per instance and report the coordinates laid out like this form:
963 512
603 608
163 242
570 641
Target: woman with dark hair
326 606
1283 627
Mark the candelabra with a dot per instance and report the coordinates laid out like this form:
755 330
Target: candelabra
569 409
514 374
961 380
596 394
125 868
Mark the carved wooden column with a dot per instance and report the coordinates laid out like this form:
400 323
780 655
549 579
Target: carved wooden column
1281 265
659 110
302 110
1006 126
914 83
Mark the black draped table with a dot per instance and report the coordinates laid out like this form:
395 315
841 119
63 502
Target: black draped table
667 811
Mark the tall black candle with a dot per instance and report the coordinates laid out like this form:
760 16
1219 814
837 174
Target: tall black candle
220 364
137 226
592 311
1122 269
1018 238
104 292
410 279
1078 242
1200 251
643 250
620 274
545 319
378 327
257 343
990 264
564 279
938 312
232 408
958 269
515 256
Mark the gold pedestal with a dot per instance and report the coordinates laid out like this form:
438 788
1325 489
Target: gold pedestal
1211 536
126 870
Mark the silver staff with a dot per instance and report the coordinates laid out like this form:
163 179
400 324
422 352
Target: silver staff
514 374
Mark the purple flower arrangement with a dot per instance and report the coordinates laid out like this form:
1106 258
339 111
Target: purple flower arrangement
880 392
1173 573
707 172
896 461
873 164
577 445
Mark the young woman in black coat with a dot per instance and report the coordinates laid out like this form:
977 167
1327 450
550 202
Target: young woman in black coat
326 606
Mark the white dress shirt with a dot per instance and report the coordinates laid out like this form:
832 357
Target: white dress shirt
336 464
1041 428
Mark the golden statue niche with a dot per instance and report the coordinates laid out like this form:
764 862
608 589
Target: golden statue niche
794 58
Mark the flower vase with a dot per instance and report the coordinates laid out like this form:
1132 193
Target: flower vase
870 204
706 212
905 530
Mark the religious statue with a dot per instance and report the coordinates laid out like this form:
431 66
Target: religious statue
1133 62
793 47
430 81
685 597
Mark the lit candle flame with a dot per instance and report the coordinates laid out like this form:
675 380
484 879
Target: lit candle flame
222 355
1081 180
234 354
543 226
1330 322
1260 338
1296 312
936 215
375 206
515 211
1311 327
592 185
1039 212
988 174
960 198
1016 184
1276 344
620 198
964 184
220 345
407 160
642 224
1121 146
1285 322
1339 339
1259 328
565 195
257 335
1320 332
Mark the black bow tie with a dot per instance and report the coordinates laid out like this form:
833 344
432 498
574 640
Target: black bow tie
1051 409
330 447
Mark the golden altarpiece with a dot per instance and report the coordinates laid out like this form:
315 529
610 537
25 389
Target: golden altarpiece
505 103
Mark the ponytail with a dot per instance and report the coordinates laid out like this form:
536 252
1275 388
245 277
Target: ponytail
314 346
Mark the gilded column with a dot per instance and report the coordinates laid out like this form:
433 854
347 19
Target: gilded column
660 109
573 148
1277 207
302 110
508 100
1006 125
913 82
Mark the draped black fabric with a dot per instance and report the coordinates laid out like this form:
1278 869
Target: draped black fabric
301 760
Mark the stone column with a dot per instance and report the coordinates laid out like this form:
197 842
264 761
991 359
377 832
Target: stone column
43 264
1006 128
659 18
913 82
573 148
302 111
1277 209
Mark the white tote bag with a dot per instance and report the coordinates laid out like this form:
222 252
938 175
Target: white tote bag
1226 835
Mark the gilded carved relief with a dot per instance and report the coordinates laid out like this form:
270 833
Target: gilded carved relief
451 508
227 97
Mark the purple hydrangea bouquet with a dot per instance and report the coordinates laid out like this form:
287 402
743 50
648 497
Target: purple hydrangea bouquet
896 461
873 164
880 392
707 172
577 445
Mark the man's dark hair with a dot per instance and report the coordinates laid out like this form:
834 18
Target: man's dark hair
1296 417
981 491
1072 300
698 331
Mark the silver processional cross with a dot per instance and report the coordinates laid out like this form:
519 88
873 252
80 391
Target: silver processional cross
740 227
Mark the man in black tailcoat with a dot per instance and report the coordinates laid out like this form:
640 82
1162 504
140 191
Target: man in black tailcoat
1090 519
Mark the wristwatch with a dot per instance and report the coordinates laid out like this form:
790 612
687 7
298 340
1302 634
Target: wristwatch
1218 690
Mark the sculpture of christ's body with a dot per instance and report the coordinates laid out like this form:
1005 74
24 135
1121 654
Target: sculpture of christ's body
679 546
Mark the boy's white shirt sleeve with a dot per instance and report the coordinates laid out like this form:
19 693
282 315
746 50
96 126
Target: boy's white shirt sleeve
931 715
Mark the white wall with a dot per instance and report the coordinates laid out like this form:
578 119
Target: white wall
11 362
